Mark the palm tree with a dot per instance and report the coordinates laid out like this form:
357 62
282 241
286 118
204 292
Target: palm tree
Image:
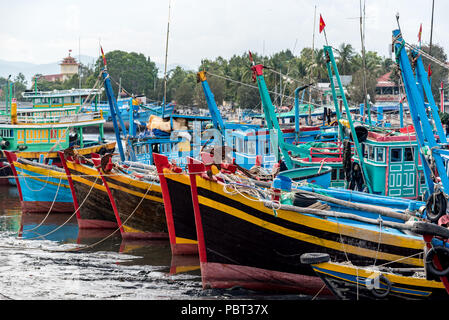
345 55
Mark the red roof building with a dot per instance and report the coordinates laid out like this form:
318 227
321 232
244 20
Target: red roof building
386 89
68 66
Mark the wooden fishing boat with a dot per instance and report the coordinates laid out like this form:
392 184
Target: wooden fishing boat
256 244
49 125
54 122
349 282
43 187
135 195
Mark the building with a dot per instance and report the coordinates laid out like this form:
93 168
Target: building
386 89
68 66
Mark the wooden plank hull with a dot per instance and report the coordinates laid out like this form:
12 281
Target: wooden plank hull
241 242
178 207
140 207
43 190
95 209
184 229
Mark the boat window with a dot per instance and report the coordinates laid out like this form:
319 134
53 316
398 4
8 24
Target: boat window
267 146
251 147
239 145
408 154
341 173
370 152
380 154
364 150
396 155
422 178
334 174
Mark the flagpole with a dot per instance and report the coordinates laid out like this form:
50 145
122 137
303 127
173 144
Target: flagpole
325 37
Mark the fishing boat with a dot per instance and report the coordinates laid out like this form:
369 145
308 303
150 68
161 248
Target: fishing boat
42 187
35 135
135 108
350 282
175 183
268 237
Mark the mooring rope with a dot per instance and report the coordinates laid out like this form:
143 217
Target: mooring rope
79 207
49 210
113 232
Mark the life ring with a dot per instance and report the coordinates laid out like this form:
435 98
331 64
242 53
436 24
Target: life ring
436 206
377 292
440 251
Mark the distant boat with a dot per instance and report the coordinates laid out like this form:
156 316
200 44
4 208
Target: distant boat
54 123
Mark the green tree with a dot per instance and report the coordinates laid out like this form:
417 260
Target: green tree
439 73
184 93
345 55
135 71
355 89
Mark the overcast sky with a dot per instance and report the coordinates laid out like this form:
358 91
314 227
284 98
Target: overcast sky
42 31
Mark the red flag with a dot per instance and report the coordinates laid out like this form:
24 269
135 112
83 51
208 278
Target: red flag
102 54
429 71
322 24
419 33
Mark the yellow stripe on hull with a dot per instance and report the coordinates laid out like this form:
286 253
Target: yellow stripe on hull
185 241
401 284
82 151
313 222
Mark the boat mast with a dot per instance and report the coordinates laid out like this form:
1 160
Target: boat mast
362 38
431 28
310 76
166 55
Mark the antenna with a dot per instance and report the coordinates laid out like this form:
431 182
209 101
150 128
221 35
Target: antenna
166 54
431 29
362 38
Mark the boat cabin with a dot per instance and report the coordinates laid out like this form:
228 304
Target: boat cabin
61 98
393 165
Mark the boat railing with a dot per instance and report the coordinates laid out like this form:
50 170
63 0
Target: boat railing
60 93
66 118
5 119
325 152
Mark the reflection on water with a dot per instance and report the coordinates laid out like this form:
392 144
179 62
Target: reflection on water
48 257
44 253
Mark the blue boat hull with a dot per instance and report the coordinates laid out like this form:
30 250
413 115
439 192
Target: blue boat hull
43 189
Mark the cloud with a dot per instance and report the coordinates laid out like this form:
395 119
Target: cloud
200 29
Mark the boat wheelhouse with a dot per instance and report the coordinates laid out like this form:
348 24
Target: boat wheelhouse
41 130
253 146
61 98
393 165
